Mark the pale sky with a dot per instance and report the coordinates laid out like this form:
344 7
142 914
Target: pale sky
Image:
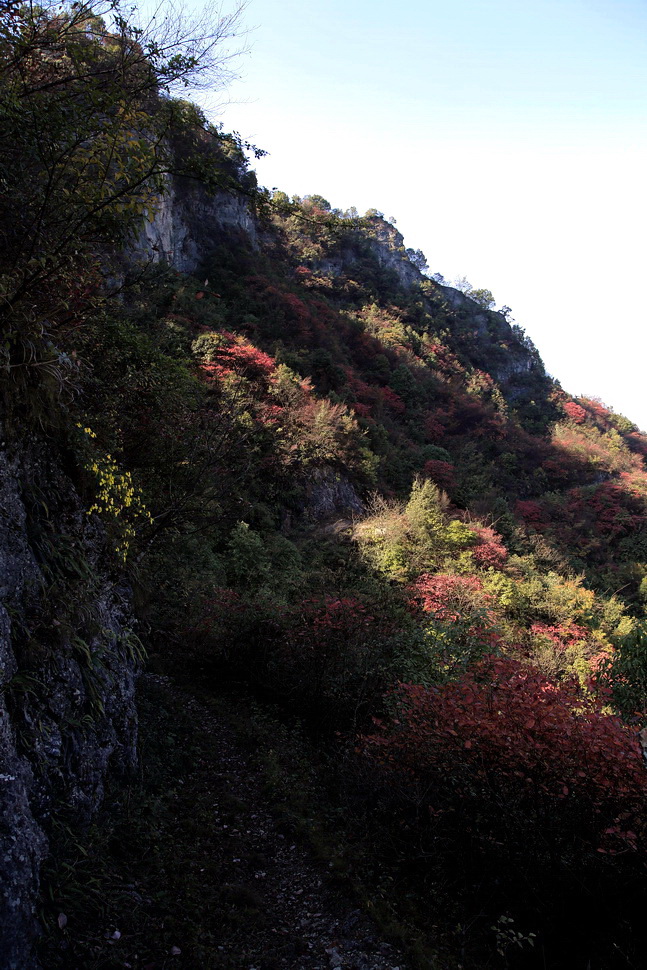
508 139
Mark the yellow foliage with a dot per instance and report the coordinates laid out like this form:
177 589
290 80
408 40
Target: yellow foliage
117 499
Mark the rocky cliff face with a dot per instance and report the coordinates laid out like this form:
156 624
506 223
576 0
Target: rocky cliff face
189 221
68 662
329 494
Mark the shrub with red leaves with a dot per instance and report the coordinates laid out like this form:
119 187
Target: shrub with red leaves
608 508
574 412
531 512
442 473
393 400
234 354
433 428
561 635
344 614
490 550
462 617
361 410
511 751
445 595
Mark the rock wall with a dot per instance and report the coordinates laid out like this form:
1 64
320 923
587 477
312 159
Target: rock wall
388 246
329 494
189 221
68 664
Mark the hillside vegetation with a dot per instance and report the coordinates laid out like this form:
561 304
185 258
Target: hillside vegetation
346 488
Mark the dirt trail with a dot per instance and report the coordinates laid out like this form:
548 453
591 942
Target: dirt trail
194 867
291 915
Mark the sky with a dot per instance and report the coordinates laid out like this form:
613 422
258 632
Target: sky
508 140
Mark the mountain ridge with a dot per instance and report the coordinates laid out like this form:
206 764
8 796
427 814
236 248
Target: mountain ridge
248 435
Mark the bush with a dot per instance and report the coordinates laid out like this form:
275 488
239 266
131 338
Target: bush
624 673
532 770
516 795
248 563
331 664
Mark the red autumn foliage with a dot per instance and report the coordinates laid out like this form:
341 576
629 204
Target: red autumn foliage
508 739
490 551
561 635
251 360
531 512
445 595
345 614
634 484
285 305
214 372
367 395
237 355
637 442
393 400
296 308
460 603
440 472
361 410
440 357
574 412
609 508
597 409
433 428
586 450
270 414
561 468
468 416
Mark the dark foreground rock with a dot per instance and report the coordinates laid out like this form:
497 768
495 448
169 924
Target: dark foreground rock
67 673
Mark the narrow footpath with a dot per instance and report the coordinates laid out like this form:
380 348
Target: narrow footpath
194 869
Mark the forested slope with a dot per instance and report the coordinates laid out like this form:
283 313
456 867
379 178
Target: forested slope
300 466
